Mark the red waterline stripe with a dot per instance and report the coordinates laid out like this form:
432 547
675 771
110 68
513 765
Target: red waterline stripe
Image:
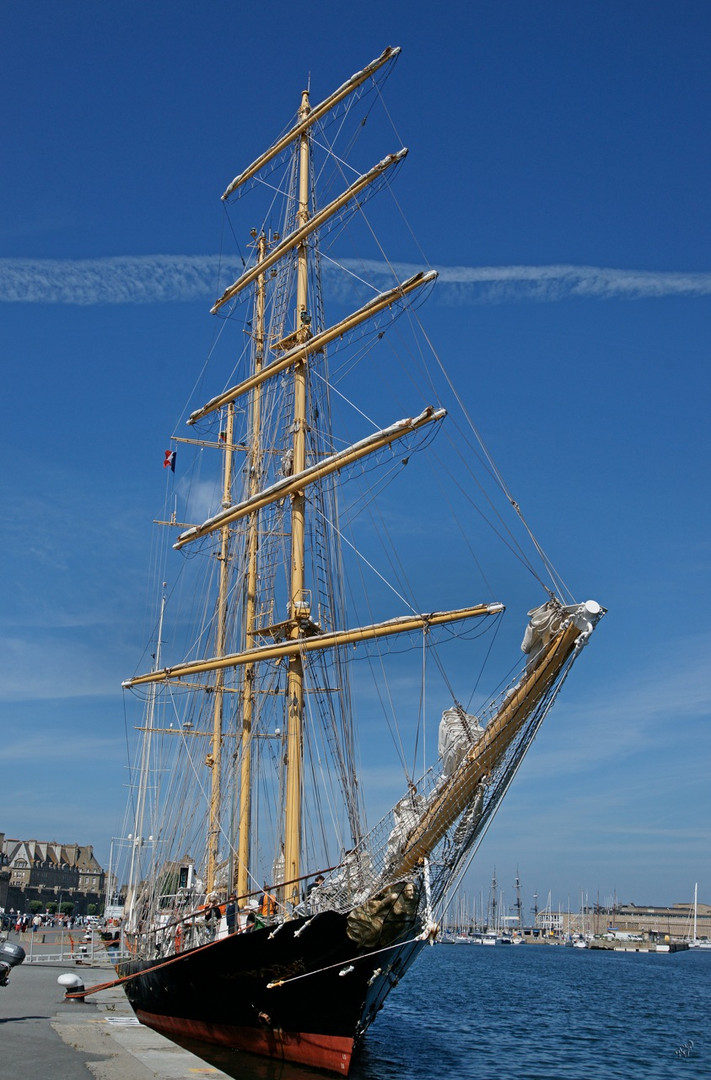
331 1052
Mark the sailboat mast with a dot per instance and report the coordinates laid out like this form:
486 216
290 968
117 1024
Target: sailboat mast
245 790
295 691
214 758
137 838
518 902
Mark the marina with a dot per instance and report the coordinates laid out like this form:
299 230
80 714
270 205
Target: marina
611 926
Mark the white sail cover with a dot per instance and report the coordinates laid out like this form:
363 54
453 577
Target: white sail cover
545 621
458 732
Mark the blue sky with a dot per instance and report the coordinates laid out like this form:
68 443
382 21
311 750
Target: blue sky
558 177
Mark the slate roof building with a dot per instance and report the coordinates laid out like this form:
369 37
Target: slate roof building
49 872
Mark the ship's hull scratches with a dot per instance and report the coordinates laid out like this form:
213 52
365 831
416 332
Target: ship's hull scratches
330 991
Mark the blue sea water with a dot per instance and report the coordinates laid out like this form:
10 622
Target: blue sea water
545 1013
533 1012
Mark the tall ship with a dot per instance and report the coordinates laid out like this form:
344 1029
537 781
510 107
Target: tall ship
317 761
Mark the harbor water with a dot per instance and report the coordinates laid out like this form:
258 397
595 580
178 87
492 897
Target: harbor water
532 1012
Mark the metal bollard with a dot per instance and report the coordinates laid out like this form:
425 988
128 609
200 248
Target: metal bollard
72 985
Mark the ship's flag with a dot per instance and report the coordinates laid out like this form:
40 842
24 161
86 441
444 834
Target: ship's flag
169 460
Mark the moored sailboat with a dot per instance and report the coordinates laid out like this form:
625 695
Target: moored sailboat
695 942
260 911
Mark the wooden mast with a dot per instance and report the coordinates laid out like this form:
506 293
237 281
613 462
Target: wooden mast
295 680
403 624
297 239
214 758
296 482
137 841
318 342
255 459
309 118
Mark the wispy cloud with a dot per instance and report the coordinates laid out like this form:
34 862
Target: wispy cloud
163 278
133 279
494 284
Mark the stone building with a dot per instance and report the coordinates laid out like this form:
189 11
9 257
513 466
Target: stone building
675 921
50 873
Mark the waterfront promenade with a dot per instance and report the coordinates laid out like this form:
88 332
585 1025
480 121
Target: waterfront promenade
45 1037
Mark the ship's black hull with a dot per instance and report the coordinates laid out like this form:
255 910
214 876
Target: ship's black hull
302 991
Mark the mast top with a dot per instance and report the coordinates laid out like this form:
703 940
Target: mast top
310 117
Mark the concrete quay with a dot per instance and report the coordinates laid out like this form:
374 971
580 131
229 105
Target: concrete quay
640 946
45 1037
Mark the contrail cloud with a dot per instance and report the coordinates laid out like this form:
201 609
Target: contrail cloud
152 279
132 279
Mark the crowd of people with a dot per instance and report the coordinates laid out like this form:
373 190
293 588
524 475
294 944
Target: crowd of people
257 912
24 923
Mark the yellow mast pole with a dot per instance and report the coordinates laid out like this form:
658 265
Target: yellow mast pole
134 874
296 483
297 239
245 790
310 117
295 681
214 758
318 342
403 624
